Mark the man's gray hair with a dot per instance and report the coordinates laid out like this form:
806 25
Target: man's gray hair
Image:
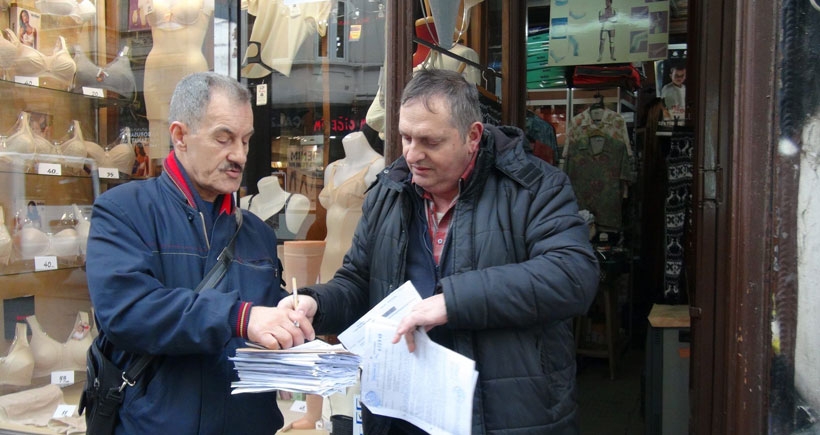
193 93
459 95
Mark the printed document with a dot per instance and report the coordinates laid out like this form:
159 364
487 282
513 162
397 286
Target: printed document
432 387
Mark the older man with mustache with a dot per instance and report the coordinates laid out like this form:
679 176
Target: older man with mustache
153 241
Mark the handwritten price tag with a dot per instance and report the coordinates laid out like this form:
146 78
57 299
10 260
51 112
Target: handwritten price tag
64 377
93 92
26 80
49 169
109 173
47 262
64 411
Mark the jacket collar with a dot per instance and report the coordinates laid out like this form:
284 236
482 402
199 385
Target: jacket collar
177 173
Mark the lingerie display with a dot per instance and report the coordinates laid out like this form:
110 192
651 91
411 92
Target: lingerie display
31 242
23 140
175 14
80 12
33 407
51 355
72 145
5 240
343 202
278 221
8 52
30 62
119 155
17 367
116 76
83 226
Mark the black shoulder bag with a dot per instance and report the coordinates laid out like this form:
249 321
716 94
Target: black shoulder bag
105 383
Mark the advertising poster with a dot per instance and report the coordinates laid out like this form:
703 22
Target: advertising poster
670 76
587 32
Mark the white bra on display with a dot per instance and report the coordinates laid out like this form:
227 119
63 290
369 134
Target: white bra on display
8 52
175 14
120 155
18 366
5 240
30 62
72 145
23 140
32 242
82 11
50 355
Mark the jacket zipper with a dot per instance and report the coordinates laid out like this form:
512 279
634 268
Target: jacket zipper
204 230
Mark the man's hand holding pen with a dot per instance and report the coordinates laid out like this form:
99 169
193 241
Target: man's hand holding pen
300 309
278 328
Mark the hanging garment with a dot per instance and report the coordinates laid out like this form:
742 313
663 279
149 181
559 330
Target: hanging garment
597 167
279 31
116 77
50 355
18 366
677 210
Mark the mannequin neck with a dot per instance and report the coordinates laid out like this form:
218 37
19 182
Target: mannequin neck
269 186
357 148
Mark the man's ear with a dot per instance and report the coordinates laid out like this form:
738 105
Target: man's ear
178 131
474 137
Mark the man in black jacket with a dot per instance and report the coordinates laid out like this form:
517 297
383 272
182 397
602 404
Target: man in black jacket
491 238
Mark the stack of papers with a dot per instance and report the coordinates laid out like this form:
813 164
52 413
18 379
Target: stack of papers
314 368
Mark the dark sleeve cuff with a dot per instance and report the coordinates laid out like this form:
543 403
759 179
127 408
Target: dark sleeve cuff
239 318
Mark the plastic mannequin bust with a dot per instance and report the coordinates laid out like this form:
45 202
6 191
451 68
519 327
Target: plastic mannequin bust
271 199
346 181
178 28
5 240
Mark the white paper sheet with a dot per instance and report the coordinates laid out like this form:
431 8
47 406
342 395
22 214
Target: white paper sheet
395 306
432 387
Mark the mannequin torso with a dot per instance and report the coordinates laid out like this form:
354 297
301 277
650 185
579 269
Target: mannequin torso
346 181
270 201
178 28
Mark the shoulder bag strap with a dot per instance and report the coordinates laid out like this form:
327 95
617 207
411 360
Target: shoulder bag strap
212 278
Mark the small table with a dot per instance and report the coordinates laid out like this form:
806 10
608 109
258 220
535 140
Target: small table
613 264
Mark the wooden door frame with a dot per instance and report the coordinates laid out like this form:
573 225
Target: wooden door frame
734 54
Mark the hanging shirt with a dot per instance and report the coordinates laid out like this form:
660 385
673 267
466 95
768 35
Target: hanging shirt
597 166
279 31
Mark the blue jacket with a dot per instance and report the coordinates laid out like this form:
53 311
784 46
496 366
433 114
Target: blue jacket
519 267
150 244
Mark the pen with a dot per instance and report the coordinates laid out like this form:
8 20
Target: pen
295 298
295 294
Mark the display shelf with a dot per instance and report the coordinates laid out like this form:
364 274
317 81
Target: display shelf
617 98
45 200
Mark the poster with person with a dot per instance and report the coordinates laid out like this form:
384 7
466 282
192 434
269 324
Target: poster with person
670 80
585 32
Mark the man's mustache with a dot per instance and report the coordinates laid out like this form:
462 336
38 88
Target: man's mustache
231 167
